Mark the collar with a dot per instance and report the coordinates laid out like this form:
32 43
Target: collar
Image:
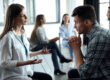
93 31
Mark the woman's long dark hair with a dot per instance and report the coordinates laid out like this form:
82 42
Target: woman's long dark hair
12 12
38 23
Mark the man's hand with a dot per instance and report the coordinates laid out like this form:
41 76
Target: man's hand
75 42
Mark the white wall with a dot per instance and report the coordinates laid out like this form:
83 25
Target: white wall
52 30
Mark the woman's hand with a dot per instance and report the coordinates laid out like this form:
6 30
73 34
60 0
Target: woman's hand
42 51
66 38
36 61
45 50
54 39
22 63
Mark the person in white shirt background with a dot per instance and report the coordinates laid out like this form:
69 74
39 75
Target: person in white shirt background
14 49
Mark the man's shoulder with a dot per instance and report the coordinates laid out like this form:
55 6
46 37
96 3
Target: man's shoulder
105 33
100 35
101 32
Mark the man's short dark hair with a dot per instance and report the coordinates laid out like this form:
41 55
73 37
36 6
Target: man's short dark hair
85 12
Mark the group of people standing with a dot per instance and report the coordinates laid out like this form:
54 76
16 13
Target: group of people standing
15 49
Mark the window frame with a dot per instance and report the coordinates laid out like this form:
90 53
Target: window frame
57 12
32 16
106 12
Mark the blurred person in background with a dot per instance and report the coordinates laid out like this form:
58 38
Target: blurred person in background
39 40
66 30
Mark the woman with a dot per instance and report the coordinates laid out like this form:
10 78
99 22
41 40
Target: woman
39 40
66 30
14 50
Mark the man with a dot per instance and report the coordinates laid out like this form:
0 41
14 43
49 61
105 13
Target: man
96 63
108 13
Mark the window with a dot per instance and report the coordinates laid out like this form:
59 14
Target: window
4 5
104 4
2 13
73 4
50 8
79 2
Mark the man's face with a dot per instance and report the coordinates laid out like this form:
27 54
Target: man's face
80 25
108 14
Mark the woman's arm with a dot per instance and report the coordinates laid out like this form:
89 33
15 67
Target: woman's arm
61 32
6 52
35 53
42 51
22 63
54 39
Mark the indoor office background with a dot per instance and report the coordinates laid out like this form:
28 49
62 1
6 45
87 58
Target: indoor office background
53 11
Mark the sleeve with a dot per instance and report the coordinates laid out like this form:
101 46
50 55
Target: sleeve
41 35
61 32
95 53
71 30
6 54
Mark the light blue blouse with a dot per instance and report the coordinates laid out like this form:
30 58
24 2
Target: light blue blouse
66 31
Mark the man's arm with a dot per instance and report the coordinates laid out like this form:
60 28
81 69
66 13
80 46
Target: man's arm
78 57
75 44
95 54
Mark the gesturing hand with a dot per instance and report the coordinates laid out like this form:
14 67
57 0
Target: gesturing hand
34 61
56 38
45 50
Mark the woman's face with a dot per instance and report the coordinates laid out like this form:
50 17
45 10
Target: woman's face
21 19
66 18
43 20
108 14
